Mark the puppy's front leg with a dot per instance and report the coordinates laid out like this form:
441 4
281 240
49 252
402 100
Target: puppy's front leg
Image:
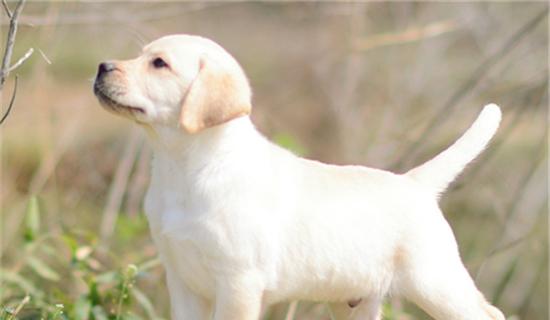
239 299
184 304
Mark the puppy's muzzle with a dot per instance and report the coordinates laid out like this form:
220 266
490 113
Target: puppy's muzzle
108 89
104 68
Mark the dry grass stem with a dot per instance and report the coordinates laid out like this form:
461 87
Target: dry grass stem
118 187
410 35
291 313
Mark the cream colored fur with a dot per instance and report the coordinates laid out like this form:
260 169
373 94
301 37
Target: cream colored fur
240 223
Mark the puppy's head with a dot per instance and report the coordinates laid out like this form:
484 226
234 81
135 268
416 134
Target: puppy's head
180 80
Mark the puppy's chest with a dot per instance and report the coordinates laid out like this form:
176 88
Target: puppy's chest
206 227
197 245
184 242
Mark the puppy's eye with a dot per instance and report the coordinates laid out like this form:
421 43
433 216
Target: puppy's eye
159 63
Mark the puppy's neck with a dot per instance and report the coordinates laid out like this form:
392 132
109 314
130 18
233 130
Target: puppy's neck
176 144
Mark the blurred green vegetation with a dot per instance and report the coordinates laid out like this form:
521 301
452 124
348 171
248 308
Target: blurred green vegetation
345 83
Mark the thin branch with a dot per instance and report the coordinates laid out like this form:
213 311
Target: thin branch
11 102
10 42
21 60
7 9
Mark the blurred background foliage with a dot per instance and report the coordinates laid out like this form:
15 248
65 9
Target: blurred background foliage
386 85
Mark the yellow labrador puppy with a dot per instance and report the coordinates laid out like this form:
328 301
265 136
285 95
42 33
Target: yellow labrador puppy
241 223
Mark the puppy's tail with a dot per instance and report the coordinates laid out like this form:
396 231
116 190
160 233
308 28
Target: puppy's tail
441 170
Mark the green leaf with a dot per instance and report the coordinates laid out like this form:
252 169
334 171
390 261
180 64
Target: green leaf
24 284
82 308
70 241
288 142
107 277
42 269
99 313
32 220
130 316
504 281
93 292
49 250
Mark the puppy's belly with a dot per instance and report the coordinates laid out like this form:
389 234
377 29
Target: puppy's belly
333 290
339 260
334 281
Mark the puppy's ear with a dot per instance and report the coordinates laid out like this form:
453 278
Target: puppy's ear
218 94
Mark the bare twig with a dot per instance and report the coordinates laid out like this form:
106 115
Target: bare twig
21 60
6 60
11 102
468 86
10 42
8 11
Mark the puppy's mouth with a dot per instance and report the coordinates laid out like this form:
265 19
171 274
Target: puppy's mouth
111 104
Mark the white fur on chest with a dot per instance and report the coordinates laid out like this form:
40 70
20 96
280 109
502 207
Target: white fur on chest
205 222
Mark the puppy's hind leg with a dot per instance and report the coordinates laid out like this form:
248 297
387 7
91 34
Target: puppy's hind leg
440 284
451 298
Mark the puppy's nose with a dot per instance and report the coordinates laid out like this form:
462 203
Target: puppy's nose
105 67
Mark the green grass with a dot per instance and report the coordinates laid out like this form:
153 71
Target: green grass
67 275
